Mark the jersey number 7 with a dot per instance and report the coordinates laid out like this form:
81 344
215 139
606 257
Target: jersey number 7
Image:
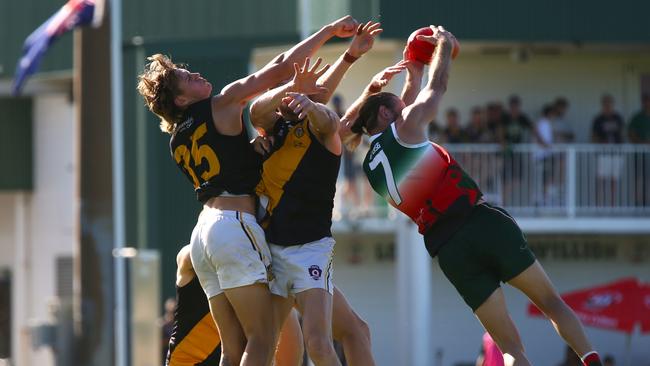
381 159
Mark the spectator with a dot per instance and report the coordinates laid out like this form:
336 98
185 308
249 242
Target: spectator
475 132
543 155
434 132
517 126
562 130
490 353
609 360
639 133
607 127
639 128
495 121
453 133
167 324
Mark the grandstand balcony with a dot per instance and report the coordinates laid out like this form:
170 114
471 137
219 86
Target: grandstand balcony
576 188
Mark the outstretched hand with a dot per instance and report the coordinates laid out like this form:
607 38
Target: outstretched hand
414 67
305 77
381 79
364 38
299 103
439 35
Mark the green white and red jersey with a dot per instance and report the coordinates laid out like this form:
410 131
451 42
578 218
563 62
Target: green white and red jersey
421 180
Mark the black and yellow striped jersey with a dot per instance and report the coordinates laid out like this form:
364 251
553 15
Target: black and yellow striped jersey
195 339
299 179
213 162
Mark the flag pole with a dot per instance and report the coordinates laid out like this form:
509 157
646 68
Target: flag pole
119 231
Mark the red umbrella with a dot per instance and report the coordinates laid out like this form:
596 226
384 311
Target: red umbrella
619 305
645 308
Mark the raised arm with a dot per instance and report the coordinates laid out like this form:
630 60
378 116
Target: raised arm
273 73
424 109
361 43
323 120
264 110
377 83
413 83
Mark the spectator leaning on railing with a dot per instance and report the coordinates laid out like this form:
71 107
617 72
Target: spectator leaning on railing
639 128
517 127
475 132
562 129
607 126
453 133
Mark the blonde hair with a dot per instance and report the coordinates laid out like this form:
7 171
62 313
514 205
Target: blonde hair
158 85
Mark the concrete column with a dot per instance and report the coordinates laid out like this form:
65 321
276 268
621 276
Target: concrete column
414 296
21 286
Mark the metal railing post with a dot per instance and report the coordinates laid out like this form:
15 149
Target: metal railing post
571 181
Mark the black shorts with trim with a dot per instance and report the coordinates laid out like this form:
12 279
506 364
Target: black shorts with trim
488 249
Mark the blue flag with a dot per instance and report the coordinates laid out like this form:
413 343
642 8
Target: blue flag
73 14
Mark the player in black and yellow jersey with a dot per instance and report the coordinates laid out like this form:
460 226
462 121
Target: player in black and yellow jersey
297 191
195 338
210 145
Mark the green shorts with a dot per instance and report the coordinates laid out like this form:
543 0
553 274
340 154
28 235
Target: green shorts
488 249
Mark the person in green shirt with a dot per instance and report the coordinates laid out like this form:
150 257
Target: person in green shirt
638 131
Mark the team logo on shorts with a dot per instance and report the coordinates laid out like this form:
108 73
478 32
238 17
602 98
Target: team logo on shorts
315 272
299 132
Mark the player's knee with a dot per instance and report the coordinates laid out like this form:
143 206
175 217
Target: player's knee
512 347
552 305
319 347
358 328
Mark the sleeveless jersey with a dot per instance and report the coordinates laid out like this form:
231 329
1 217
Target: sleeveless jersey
195 339
213 162
299 180
422 180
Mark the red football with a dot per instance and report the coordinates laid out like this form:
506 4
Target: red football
423 51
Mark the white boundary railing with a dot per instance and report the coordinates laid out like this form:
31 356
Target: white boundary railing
571 181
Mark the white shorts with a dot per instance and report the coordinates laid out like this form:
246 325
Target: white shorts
228 250
609 166
302 267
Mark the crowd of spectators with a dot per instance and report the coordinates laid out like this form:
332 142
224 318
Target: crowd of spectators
494 123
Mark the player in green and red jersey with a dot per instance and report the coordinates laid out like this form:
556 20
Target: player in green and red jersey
478 245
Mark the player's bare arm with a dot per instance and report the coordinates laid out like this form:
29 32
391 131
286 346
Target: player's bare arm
413 82
376 85
241 91
264 109
360 45
417 116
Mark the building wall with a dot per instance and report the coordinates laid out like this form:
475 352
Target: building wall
367 276
49 231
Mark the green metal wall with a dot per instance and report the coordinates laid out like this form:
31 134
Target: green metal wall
517 20
16 143
509 20
201 19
